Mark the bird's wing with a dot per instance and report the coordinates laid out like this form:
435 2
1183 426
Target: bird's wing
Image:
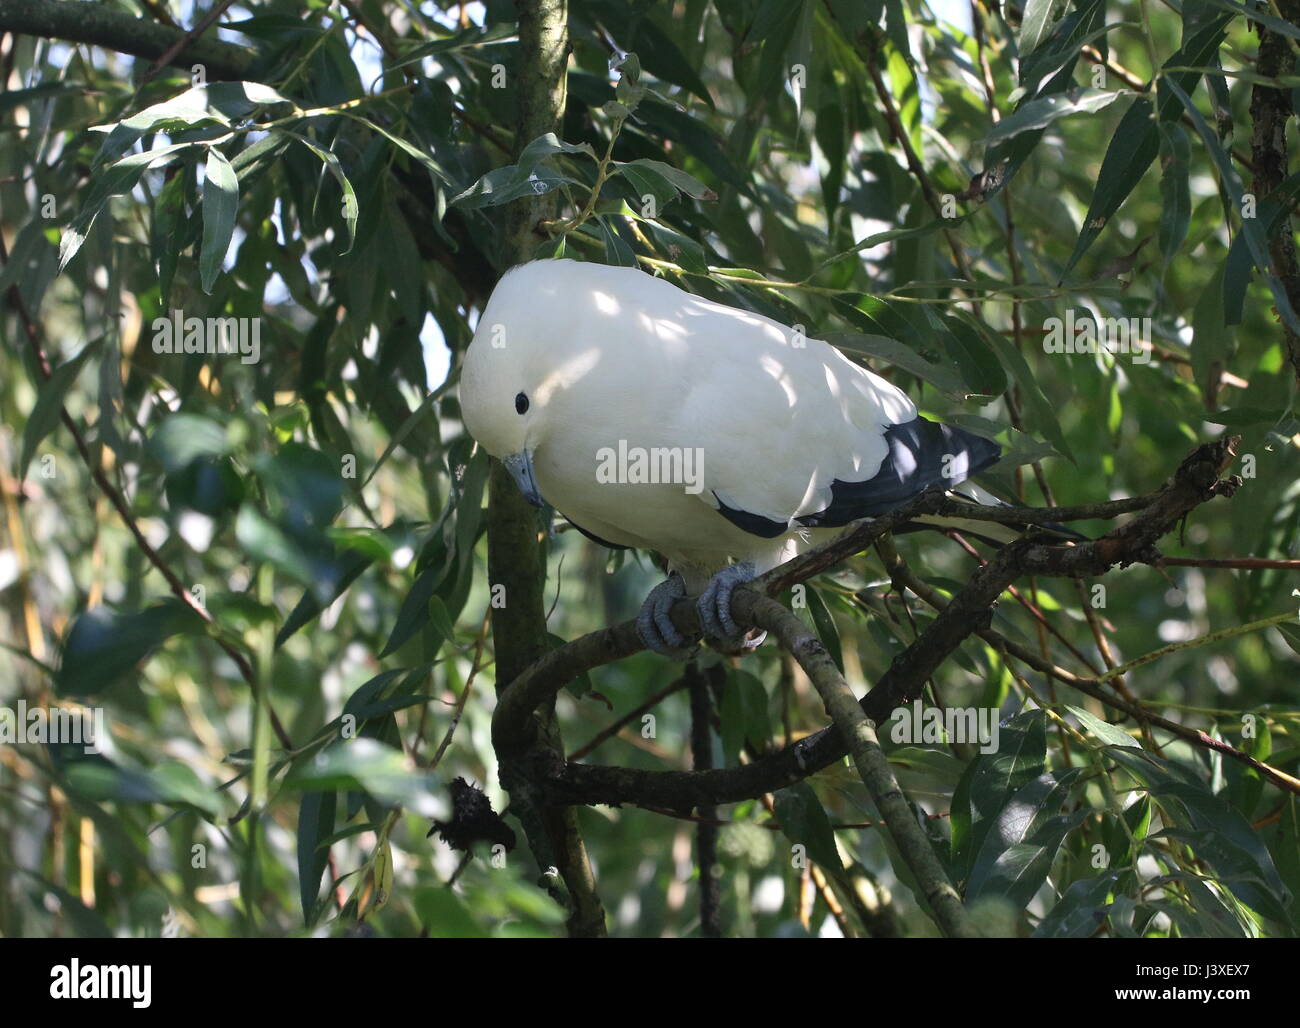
794 434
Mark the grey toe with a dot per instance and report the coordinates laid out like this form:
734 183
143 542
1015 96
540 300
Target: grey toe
654 625
715 607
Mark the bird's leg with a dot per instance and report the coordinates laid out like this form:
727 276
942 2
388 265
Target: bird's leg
656 628
714 605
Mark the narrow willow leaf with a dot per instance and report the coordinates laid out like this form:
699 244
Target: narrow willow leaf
315 824
1132 149
1175 197
1041 112
1036 24
220 203
49 403
331 161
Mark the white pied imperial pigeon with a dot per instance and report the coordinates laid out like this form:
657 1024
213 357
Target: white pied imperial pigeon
719 438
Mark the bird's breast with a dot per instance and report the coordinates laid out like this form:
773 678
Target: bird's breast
644 496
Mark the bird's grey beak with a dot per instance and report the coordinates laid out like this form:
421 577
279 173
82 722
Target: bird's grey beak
520 466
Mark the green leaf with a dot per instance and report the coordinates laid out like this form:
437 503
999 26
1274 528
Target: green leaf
1132 149
1269 21
350 207
804 823
1106 732
307 609
220 203
266 542
1241 417
444 915
1226 839
414 612
49 403
104 646
1081 911
469 503
12 98
825 626
468 37
84 922
743 715
387 774
1020 758
617 252
178 783
315 824
1175 197
119 179
524 178
679 179
664 59
169 226
438 175
218 103
1036 24
182 439
1017 851
1211 337
680 249
1041 410
646 183
1136 141
1041 112
976 359
1020 870
940 376
1250 228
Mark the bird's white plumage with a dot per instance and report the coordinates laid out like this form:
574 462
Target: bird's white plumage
610 355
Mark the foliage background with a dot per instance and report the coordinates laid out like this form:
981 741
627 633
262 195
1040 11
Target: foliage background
357 234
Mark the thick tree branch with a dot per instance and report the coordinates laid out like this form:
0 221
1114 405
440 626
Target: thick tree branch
101 25
706 833
515 560
1196 481
1270 109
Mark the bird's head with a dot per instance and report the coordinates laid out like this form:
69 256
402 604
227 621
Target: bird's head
517 382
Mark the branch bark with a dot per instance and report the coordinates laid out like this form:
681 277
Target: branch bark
515 557
1270 109
101 25
706 833
859 736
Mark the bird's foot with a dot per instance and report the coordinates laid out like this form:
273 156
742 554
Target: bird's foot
714 605
656 628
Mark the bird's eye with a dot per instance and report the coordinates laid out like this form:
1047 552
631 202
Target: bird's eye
521 403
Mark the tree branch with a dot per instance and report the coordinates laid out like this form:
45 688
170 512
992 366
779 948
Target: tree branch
513 724
515 560
706 833
101 25
859 734
1270 109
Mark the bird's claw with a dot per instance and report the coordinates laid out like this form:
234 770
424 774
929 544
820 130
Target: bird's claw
714 605
656 628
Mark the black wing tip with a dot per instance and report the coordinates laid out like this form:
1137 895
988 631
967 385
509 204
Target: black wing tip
754 524
929 446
